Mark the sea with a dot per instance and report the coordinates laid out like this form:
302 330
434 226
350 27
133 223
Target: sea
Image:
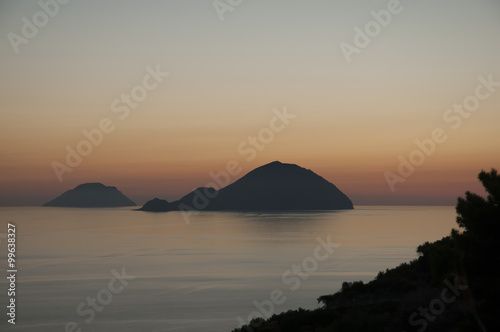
115 269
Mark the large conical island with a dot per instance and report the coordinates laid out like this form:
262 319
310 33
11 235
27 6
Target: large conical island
273 187
91 195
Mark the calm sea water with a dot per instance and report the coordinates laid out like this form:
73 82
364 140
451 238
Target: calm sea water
203 276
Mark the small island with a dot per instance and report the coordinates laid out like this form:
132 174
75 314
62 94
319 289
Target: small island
272 187
91 195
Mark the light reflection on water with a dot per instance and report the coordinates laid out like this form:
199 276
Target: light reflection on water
201 275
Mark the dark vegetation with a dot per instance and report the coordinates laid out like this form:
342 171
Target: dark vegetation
453 285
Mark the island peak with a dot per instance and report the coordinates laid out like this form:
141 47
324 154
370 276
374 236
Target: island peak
275 186
93 194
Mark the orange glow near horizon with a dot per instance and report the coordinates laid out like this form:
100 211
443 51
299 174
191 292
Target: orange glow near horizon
351 121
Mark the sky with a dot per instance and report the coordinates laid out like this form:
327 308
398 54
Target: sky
170 92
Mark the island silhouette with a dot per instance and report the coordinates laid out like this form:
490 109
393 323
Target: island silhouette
272 187
91 195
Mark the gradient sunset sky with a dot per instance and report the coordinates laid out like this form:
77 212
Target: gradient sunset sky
226 78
